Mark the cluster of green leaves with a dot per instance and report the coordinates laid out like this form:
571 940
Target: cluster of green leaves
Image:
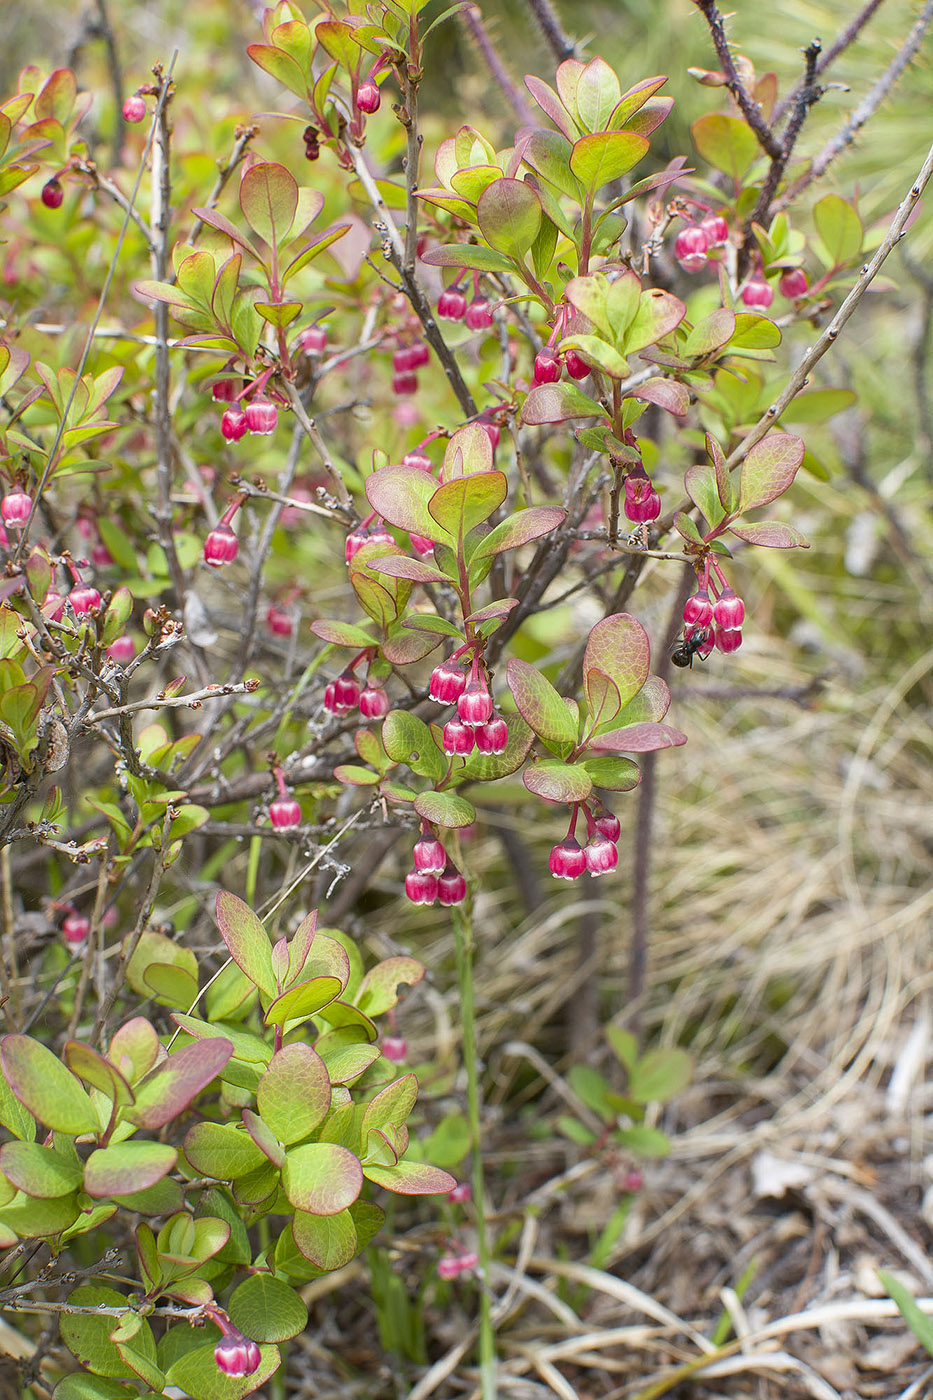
651 1078
42 116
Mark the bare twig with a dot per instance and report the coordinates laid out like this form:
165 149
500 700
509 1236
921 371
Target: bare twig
244 134
177 702
809 94
558 42
750 109
847 37
311 431
866 108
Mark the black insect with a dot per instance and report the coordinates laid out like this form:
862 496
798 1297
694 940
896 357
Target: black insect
687 648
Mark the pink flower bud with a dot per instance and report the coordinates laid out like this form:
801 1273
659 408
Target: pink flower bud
758 293
469 1260
262 417
278 622
642 502
233 424
419 460
395 1049
698 610
420 887
576 367
374 702
478 315
567 861
607 823
418 355
122 650
330 702
367 97
728 640
601 855
237 1355
75 928
794 284
460 1194
15 508
448 682
492 431
451 886
134 109
448 1266
728 610
405 384
347 690
52 194
716 230
354 542
690 249
458 738
492 737
421 544
285 813
84 598
402 359
314 340
54 606
429 856
633 1180
451 305
224 391
547 367
221 546
475 704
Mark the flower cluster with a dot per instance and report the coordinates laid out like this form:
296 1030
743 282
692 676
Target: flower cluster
477 725
433 876
569 860
259 416
346 694
452 305
713 621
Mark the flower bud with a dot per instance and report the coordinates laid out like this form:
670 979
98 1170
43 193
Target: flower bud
421 544
405 384
122 650
728 610
395 1049
757 293
479 315
221 546
698 610
794 284
134 109
475 704
607 823
278 622
567 861
492 737
261 417
448 682
460 1194
420 887
451 886
368 98
576 367
547 367
347 690
84 598
15 508
52 194
451 305
75 928
234 424
374 702
419 460
458 738
716 230
354 542
237 1355
314 340
728 639
642 502
492 431
285 813
600 855
448 1266
690 249
429 856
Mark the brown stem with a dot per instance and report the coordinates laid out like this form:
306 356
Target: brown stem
847 37
128 947
560 44
809 94
866 108
749 107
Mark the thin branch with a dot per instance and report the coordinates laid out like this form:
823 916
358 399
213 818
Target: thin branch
810 93
244 134
310 427
866 276
847 37
560 44
105 30
394 250
177 702
472 20
866 108
750 109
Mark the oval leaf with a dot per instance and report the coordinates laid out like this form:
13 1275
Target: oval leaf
509 215
322 1177
43 1085
558 782
269 200
294 1094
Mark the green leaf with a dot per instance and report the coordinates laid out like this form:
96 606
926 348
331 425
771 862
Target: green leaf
726 143
658 314
713 331
624 1045
44 1086
221 1151
83 1385
539 703
39 1171
246 940
322 1178
520 528
509 215
135 1048
411 1179
293 1096
195 1373
269 201
14 1116
754 332
548 152
329 1241
659 1075
469 451
471 255
378 991
597 353
558 782
445 809
303 1000
168 1089
127 1167
266 1309
647 1142
155 950
700 485
599 159
613 774
407 739
460 505
817 405
401 495
88 1336
917 1320
840 230
342 634
617 646
769 469
400 566
38 1217
557 403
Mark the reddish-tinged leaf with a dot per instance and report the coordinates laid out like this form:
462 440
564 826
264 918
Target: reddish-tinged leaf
127 1167
57 97
400 495
618 646
657 315
713 331
771 533
269 200
412 1179
602 696
378 990
264 1138
135 1048
469 451
725 142
303 1000
169 1089
651 115
279 66
700 485
400 566
639 738
40 1171
501 608
460 505
509 214
342 634
668 394
552 106
410 645
633 100
557 403
329 1241
539 703
91 1066
593 91
651 703
246 940
519 529
472 255
43 1085
223 225
724 488
558 782
599 159
294 1093
769 469
322 1177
